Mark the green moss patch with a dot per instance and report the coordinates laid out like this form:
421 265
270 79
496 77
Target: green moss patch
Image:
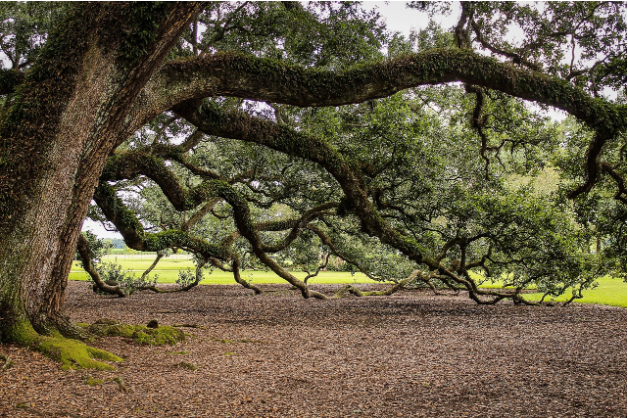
22 333
93 382
139 333
74 354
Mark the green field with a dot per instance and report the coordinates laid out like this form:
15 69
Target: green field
609 291
168 269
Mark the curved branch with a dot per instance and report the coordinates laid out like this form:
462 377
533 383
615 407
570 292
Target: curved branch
619 180
82 246
135 237
398 286
159 256
246 228
200 214
240 126
246 76
295 225
128 165
298 227
591 165
516 58
235 268
318 269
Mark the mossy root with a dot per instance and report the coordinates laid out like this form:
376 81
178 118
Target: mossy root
74 354
141 334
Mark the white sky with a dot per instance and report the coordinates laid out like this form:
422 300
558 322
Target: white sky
398 18
401 19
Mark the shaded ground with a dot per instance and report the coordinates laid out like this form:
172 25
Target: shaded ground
277 355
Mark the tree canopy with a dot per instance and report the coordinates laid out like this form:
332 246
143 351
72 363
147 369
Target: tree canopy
285 133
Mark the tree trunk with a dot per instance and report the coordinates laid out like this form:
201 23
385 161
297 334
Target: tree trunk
69 115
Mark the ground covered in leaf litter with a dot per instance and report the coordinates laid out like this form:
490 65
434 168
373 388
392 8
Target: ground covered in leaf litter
277 355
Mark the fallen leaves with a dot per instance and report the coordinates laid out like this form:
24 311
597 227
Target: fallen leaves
407 355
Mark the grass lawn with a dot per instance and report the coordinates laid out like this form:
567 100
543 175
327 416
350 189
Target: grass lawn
609 291
168 269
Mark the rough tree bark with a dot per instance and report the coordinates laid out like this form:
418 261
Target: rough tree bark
56 133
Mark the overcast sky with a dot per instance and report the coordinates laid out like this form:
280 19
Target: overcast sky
401 19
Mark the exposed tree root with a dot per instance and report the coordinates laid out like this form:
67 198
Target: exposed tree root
141 334
72 354
181 289
7 361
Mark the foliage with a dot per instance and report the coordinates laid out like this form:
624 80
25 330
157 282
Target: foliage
112 274
99 247
450 167
25 27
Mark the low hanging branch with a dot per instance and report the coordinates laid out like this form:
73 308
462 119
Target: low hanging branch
159 256
198 277
318 269
398 286
240 126
132 164
133 232
136 238
235 267
86 257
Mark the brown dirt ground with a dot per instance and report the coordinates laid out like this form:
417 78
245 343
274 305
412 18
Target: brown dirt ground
409 355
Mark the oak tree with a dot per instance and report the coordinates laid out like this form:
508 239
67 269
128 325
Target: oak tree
366 139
